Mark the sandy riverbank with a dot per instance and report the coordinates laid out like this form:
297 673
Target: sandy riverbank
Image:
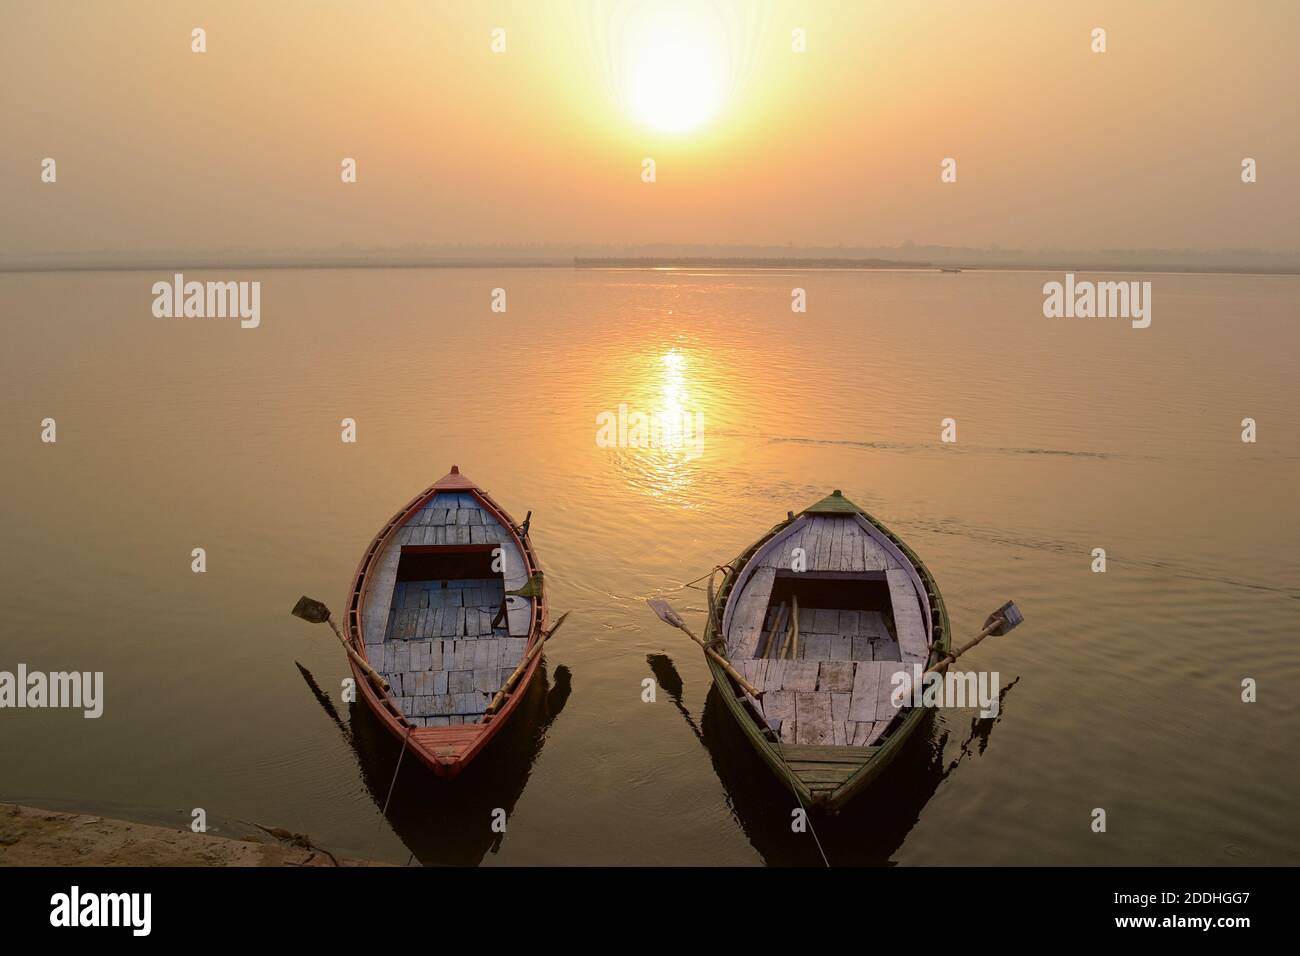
33 837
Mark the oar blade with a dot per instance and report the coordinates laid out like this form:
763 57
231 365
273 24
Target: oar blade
1006 618
311 611
665 612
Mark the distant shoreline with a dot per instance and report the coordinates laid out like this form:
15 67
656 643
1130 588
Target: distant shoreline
639 263
887 265
744 262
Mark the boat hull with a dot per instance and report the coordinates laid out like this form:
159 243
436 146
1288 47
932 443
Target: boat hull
446 751
824 778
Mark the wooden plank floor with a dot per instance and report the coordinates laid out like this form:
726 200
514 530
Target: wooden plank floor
825 635
836 689
442 656
836 692
433 640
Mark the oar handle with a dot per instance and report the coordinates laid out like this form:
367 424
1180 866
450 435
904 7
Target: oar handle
500 696
518 672
947 661
726 666
376 678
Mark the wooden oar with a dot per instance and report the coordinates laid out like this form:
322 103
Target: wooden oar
671 617
314 612
504 692
1004 619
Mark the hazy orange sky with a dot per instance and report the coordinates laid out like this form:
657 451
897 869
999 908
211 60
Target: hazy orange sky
159 148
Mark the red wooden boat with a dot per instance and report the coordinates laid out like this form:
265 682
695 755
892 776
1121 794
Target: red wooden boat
447 604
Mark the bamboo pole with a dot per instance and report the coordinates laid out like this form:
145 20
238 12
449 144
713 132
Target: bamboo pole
784 641
518 672
794 621
772 636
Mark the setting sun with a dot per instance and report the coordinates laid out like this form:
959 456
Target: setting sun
676 69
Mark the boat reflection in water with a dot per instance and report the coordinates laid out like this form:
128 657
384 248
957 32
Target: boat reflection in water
869 831
450 822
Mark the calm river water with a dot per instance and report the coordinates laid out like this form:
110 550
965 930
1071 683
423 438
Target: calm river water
1122 690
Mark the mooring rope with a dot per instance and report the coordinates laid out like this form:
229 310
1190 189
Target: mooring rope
383 814
704 577
806 815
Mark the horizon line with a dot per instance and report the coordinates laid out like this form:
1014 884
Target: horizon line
653 263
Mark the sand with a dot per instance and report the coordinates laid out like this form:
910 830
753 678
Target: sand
33 837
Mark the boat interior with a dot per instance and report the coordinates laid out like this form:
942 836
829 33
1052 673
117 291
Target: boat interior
820 620
440 624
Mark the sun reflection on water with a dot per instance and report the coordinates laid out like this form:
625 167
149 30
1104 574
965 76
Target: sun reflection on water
676 396
661 435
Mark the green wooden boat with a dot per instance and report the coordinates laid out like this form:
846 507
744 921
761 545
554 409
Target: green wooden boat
818 616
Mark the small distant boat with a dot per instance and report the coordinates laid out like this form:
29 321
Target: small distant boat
453 625
949 269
